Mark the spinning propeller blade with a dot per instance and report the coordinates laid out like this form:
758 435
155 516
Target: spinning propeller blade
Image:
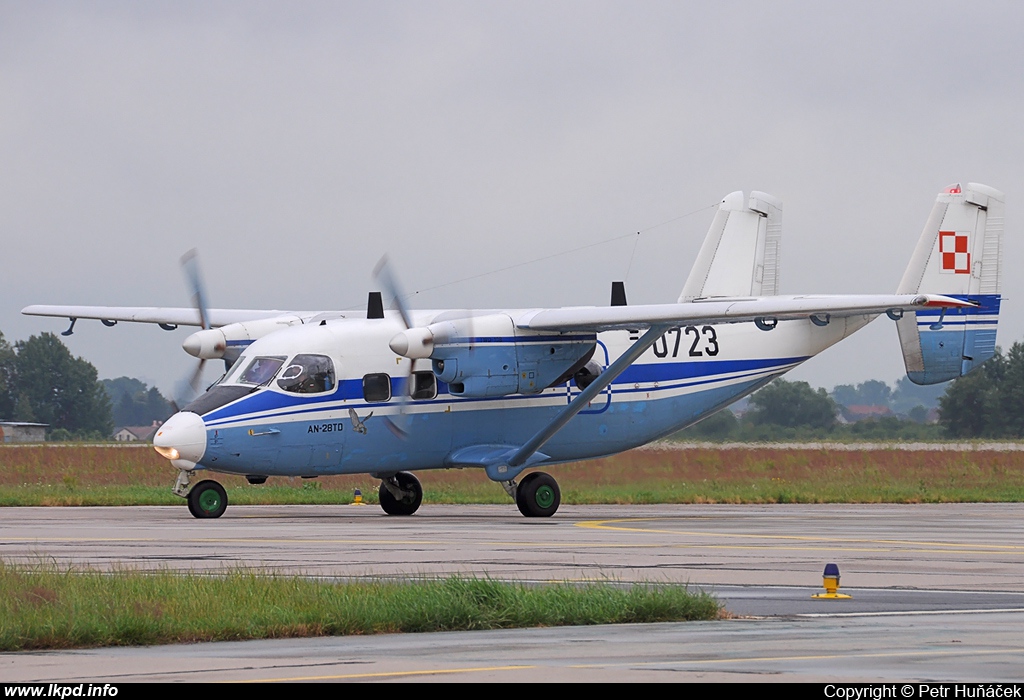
400 424
382 273
190 268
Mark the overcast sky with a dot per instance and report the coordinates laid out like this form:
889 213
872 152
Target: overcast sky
295 143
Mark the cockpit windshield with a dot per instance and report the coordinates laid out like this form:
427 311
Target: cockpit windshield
231 376
260 371
308 374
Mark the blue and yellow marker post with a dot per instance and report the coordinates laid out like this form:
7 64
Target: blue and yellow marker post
831 583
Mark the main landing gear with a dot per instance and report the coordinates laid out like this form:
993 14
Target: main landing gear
537 495
400 494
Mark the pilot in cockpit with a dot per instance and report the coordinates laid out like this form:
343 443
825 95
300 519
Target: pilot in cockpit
308 374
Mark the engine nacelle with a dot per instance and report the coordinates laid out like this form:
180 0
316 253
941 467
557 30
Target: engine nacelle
228 341
489 356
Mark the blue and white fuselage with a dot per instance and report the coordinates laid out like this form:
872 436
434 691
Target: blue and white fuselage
390 393
686 375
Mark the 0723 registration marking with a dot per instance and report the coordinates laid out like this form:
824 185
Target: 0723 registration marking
704 342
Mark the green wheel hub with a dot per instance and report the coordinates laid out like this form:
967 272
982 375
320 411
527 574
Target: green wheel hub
537 495
209 500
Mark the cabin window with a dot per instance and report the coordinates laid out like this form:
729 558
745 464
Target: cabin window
308 374
376 387
261 370
424 386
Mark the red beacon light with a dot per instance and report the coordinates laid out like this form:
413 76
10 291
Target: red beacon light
953 189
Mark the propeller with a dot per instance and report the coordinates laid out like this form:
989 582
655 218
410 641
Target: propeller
190 267
382 273
414 342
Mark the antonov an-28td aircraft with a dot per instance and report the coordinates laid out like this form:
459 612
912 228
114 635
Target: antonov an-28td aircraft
393 392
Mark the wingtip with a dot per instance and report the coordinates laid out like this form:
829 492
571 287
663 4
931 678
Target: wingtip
940 301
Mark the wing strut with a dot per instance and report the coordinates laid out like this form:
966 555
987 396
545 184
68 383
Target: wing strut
580 402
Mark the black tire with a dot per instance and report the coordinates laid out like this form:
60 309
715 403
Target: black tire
409 503
207 499
538 496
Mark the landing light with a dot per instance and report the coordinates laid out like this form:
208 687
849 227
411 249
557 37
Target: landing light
167 452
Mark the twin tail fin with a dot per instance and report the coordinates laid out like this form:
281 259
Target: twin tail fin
959 254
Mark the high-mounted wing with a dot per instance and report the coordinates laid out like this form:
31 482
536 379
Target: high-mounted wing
231 330
165 316
764 311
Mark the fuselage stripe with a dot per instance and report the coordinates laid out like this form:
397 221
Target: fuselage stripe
660 387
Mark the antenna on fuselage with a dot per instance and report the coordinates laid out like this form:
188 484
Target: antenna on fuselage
618 294
619 299
375 306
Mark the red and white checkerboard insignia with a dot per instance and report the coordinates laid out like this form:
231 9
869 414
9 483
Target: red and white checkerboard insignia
954 252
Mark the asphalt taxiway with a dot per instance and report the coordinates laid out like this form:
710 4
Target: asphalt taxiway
938 591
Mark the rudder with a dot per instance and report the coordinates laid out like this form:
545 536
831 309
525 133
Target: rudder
959 254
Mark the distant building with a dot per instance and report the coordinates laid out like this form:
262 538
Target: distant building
853 414
136 433
11 431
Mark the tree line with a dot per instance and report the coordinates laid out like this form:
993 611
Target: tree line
135 403
988 403
42 382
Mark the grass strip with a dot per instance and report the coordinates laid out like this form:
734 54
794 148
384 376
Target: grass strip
756 490
84 475
48 607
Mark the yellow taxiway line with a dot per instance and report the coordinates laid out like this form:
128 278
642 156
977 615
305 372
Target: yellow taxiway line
385 674
616 524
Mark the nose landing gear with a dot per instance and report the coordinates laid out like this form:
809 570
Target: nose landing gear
207 499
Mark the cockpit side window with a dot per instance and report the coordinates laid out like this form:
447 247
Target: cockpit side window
261 370
308 374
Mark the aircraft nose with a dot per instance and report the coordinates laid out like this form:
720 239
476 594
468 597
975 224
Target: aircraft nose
182 439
